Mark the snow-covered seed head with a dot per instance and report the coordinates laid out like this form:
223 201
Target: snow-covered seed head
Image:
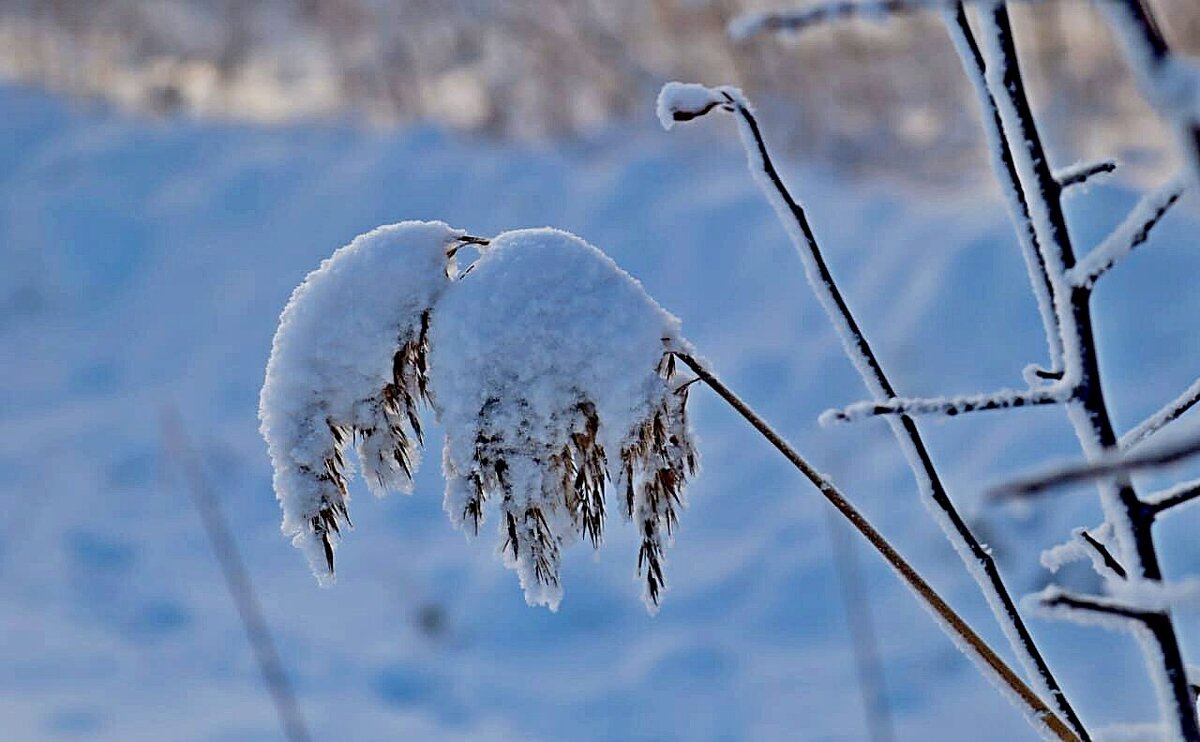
348 365
552 379
681 102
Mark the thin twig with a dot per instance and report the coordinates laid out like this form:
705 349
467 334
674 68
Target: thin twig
1036 711
949 406
980 563
1102 552
1082 172
1157 70
1073 602
1159 420
1131 233
237 580
1106 468
1180 494
1005 167
748 25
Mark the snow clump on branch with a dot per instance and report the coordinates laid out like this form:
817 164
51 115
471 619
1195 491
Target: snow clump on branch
552 377
549 367
348 367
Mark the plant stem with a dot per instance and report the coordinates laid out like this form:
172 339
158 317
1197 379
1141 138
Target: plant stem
1088 409
977 559
1036 712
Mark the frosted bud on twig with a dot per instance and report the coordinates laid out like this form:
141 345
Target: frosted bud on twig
348 365
679 101
552 380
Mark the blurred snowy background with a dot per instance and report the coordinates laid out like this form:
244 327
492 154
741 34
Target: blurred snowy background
169 171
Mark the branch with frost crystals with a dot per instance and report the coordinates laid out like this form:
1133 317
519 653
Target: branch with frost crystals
1005 166
1173 497
1082 172
1088 609
1131 233
678 102
1036 712
1101 552
1169 82
1088 411
1159 420
1143 601
749 25
1102 468
1086 545
949 406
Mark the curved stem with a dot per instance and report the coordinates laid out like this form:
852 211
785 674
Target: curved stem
1036 712
978 560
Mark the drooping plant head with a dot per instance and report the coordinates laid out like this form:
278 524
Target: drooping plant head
549 367
551 375
348 365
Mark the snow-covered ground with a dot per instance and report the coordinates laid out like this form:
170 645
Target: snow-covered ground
143 266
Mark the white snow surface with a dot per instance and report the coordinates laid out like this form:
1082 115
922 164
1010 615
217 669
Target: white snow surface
331 359
542 323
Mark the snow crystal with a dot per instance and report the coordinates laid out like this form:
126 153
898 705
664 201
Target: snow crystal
347 365
549 374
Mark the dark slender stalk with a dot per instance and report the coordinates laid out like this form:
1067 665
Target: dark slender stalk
978 559
1102 551
1036 711
1089 604
1090 416
237 581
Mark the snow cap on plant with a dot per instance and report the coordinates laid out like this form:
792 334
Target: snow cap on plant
552 377
348 366
680 102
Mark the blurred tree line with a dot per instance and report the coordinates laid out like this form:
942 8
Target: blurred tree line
865 95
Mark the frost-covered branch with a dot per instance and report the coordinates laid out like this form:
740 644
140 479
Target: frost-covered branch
1005 167
1045 721
748 25
1088 409
1082 172
1087 608
1085 544
1108 467
949 406
1159 420
1180 494
1170 82
1131 233
1102 553
678 103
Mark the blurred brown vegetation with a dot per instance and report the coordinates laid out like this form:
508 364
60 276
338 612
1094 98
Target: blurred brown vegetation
866 94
